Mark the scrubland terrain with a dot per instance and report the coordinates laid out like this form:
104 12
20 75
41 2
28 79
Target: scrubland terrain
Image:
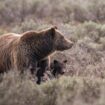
82 21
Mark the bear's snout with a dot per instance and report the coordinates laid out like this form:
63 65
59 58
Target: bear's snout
70 44
67 44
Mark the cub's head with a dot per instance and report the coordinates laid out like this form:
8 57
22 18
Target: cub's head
58 67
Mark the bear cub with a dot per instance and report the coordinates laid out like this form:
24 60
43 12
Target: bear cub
58 67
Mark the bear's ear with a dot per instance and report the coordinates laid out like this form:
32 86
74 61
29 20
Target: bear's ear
51 31
55 27
65 61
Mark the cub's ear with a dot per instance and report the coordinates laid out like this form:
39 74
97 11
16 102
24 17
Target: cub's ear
52 31
55 61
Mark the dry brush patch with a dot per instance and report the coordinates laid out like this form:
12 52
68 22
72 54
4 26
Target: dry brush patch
84 83
15 90
87 56
51 11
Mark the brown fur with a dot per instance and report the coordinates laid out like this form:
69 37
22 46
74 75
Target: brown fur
24 51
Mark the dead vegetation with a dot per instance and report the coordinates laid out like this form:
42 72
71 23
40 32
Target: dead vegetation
82 21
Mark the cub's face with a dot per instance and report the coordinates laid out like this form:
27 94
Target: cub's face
58 67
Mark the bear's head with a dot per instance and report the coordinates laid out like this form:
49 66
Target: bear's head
58 67
45 42
60 43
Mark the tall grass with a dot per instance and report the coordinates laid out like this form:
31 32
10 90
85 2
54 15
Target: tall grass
17 11
81 21
65 90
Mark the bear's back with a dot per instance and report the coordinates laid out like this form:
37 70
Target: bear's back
7 43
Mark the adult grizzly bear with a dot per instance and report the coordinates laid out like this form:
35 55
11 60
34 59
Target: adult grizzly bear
23 51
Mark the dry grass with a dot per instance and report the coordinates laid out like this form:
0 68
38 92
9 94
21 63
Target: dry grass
83 83
82 21
65 90
17 11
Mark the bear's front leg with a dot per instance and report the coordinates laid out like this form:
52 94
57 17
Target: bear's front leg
43 66
33 68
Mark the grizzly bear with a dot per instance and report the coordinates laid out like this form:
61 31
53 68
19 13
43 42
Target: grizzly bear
24 51
57 67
